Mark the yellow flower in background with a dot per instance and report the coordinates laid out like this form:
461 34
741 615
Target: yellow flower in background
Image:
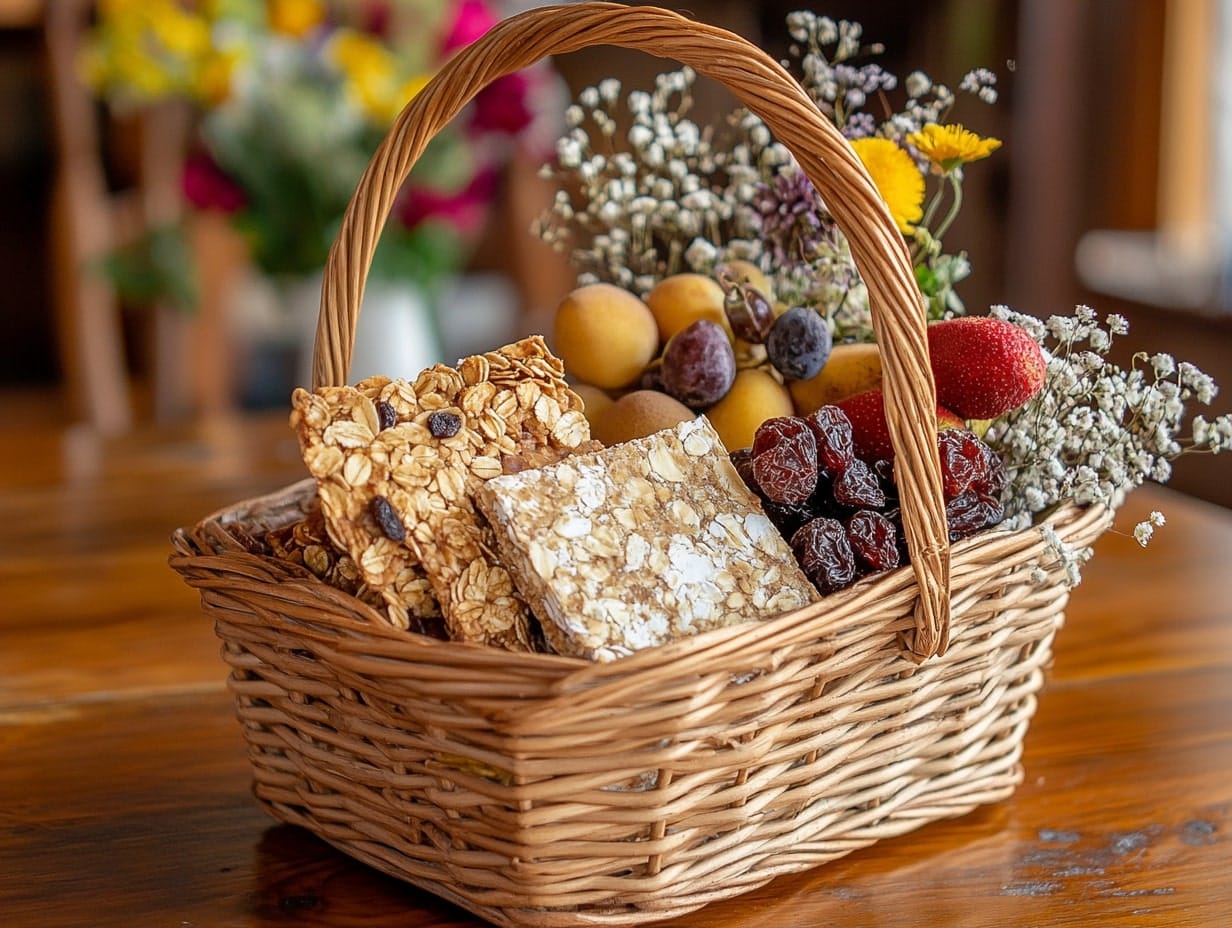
178 31
370 72
951 146
898 180
215 77
295 18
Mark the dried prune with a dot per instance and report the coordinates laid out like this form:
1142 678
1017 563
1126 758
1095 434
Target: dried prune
825 554
785 459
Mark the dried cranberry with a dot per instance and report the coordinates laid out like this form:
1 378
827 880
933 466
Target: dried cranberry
832 430
386 415
785 459
874 539
858 486
387 518
825 554
444 424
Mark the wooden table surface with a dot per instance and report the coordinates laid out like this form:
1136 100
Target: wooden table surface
124 796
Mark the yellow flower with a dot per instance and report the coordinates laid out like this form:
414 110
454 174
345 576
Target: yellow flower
295 18
371 74
898 180
950 146
215 76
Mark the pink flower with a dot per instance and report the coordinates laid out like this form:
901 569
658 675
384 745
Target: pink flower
465 210
207 187
472 19
503 105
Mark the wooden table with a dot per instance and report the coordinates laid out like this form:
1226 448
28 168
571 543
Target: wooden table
124 789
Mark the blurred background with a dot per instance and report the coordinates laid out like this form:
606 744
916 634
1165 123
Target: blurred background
1112 189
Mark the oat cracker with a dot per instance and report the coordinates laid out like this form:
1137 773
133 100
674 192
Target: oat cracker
641 543
397 463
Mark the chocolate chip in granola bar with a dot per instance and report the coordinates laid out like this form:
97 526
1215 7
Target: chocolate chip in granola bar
443 424
387 518
386 415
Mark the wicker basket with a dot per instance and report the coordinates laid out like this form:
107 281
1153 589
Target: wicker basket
541 790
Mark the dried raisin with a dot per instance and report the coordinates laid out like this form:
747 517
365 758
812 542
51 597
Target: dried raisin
444 424
962 461
387 518
970 512
386 415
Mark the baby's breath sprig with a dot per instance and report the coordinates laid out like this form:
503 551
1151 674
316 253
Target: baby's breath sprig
1095 431
670 196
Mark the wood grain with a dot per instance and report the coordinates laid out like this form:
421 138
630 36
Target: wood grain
124 787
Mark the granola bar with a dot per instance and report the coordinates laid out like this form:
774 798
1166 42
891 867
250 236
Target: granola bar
397 463
641 543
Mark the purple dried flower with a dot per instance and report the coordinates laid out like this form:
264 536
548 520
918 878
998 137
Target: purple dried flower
789 212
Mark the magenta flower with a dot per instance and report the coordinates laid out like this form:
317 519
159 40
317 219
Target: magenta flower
465 210
503 106
207 187
471 20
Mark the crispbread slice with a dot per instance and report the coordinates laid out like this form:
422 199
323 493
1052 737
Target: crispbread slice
397 463
641 543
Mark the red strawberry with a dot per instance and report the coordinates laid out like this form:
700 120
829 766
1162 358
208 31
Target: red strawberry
869 431
984 366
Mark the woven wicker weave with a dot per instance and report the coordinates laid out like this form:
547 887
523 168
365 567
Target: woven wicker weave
540 790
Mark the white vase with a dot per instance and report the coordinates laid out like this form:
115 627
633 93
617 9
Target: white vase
396 336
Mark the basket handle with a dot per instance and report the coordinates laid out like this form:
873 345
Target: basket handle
879 251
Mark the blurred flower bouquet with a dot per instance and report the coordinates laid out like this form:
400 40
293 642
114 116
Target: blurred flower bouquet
293 97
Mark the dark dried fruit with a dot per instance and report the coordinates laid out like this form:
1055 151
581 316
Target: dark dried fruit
825 554
799 343
785 459
386 517
444 424
963 461
832 429
874 539
970 512
787 517
858 486
386 415
652 377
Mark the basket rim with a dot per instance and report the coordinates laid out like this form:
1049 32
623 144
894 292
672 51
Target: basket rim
373 641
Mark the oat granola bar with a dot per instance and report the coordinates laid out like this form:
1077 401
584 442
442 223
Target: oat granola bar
641 543
397 463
